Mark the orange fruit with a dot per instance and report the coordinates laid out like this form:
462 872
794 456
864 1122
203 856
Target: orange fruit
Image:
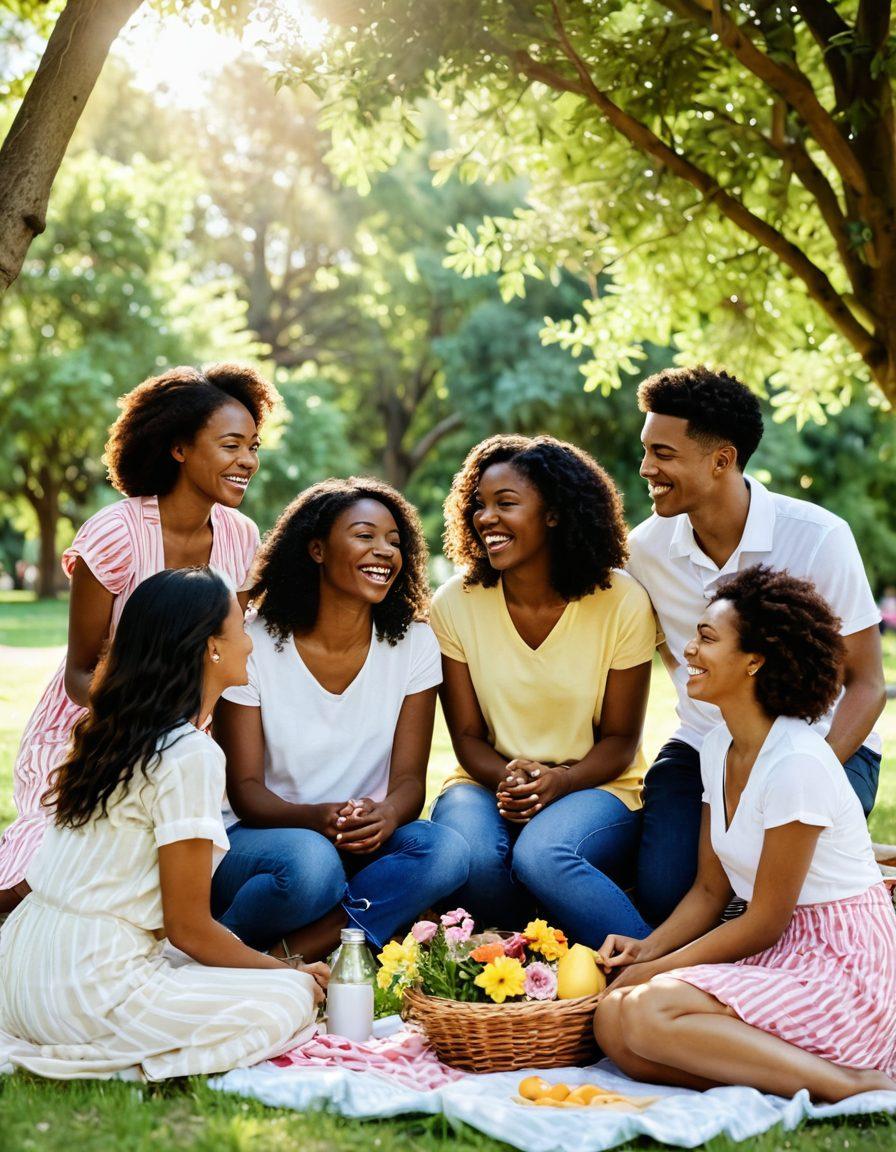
533 1087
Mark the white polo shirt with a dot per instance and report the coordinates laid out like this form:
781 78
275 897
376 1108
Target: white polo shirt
807 541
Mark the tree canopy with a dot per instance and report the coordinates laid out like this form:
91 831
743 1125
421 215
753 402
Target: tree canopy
722 174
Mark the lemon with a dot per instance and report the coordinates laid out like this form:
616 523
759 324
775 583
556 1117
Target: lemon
578 975
533 1087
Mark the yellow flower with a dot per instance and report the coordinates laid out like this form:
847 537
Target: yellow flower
398 960
501 978
550 942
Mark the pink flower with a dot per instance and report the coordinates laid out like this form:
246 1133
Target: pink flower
450 919
515 946
458 933
541 982
424 930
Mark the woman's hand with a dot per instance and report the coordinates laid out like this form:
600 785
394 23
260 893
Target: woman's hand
528 787
631 977
327 819
620 951
320 974
364 825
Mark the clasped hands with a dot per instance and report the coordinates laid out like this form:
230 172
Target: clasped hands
359 826
528 786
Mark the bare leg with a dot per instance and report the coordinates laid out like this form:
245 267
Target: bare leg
11 898
317 940
609 1034
672 1023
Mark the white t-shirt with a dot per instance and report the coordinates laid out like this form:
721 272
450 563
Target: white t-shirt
807 541
320 747
796 777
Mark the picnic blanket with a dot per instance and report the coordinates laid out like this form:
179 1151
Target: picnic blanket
318 1076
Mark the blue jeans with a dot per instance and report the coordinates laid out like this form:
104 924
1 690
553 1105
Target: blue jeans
569 861
673 791
275 880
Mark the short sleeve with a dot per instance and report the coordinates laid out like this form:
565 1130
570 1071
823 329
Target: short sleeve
839 576
106 546
442 621
188 793
249 694
636 636
797 790
426 660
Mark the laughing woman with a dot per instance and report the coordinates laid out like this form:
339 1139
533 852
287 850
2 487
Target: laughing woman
546 650
799 991
182 451
327 746
87 987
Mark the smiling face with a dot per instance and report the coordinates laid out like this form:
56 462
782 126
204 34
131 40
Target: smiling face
511 517
223 457
718 669
681 473
361 554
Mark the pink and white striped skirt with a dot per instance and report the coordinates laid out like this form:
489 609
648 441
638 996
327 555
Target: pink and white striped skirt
828 986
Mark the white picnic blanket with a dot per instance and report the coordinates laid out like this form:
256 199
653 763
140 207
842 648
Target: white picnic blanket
681 1118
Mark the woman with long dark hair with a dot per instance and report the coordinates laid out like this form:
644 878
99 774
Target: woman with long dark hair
86 987
799 991
328 744
182 452
546 648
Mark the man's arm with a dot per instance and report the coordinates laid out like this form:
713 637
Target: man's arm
864 693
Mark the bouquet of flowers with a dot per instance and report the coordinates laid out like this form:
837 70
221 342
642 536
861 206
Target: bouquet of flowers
450 960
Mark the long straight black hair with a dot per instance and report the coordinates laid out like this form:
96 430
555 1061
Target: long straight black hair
148 683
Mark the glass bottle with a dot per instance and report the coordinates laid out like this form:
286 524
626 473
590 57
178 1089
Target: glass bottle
350 993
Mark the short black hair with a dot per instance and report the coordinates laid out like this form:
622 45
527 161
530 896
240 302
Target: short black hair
173 407
716 405
286 581
786 621
589 539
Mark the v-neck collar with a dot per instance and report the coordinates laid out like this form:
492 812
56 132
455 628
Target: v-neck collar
149 506
350 686
508 620
763 748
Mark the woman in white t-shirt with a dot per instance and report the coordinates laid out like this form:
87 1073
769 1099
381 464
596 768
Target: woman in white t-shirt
328 743
799 991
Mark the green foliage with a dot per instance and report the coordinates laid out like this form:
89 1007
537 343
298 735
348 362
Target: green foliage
661 263
104 300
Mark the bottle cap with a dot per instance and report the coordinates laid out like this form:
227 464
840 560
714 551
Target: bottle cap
353 936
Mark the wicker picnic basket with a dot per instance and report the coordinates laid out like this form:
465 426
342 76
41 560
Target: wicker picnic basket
505 1037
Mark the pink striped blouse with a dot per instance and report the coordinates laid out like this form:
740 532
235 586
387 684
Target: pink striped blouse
122 546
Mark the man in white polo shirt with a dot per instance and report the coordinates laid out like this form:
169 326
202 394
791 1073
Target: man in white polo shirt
710 521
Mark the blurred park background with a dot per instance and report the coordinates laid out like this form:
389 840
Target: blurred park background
428 222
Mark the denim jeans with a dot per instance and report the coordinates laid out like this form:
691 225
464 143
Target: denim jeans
275 880
569 861
673 790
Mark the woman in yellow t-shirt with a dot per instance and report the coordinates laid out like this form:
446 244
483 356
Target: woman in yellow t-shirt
546 649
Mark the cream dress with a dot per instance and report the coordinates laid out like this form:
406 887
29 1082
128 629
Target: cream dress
87 988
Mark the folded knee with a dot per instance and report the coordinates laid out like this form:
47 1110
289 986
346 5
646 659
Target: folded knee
645 1012
445 850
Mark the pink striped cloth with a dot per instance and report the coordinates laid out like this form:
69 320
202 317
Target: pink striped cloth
405 1055
828 986
121 545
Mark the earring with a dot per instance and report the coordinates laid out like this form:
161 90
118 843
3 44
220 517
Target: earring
753 673
216 657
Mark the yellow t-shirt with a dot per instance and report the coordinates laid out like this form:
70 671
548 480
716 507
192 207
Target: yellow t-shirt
545 703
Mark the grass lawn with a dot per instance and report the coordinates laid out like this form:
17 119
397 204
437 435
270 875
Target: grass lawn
42 1116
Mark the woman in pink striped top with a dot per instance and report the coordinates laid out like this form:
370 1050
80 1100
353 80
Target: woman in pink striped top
182 452
799 991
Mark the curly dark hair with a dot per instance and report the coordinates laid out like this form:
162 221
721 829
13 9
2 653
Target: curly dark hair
170 408
160 640
786 621
286 581
589 539
716 405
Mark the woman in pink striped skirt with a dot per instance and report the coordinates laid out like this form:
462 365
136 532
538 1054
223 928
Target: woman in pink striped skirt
182 452
799 991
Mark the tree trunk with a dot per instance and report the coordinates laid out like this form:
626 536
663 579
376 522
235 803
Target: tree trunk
47 508
39 136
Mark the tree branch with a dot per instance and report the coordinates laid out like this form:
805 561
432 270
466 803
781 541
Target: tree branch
817 283
825 22
789 82
438 432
